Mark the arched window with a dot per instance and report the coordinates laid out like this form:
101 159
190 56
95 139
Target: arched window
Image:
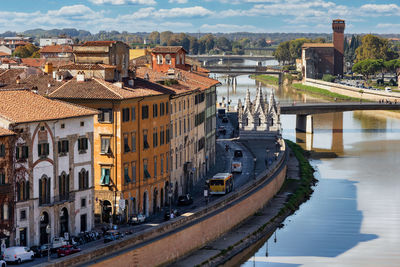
5 212
177 59
247 121
182 60
44 190
168 59
259 122
159 59
83 179
63 184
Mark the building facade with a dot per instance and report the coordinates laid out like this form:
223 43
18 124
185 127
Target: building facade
52 161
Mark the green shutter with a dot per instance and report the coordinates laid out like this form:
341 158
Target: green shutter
107 177
17 152
85 144
103 175
59 147
40 192
67 184
39 150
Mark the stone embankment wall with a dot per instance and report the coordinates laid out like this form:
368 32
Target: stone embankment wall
171 240
368 94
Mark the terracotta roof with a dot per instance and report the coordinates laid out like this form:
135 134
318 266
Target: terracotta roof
187 81
56 49
3 54
10 75
167 49
5 132
317 45
99 43
86 67
41 81
100 89
33 62
19 106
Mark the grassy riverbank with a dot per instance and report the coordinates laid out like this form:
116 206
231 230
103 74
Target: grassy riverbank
323 92
266 78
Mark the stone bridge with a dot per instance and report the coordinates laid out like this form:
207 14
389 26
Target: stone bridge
304 119
208 58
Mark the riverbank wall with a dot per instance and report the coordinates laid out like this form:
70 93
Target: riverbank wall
351 91
172 240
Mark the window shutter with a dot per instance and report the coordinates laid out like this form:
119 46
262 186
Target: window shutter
67 184
59 147
86 180
85 143
66 146
40 192
47 149
25 151
60 185
80 144
39 150
103 176
27 191
48 190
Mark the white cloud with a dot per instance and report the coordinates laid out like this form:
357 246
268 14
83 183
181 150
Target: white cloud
229 28
123 2
177 12
178 1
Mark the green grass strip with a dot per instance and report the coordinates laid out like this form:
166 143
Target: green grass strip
324 92
266 78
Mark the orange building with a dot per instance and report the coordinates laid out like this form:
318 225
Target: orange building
131 144
167 57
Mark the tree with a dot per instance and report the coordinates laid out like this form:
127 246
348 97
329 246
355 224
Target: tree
224 44
154 37
374 47
165 37
295 47
193 46
209 43
25 51
282 53
367 67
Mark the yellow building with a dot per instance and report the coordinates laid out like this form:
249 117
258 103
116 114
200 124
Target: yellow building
138 52
131 144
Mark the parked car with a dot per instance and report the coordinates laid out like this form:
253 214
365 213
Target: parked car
225 119
57 243
388 89
238 153
236 166
3 263
185 200
112 235
137 219
18 254
40 251
67 250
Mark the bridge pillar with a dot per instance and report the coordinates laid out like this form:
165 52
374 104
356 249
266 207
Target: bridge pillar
304 123
280 78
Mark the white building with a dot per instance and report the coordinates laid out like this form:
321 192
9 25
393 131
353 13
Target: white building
53 163
260 118
55 41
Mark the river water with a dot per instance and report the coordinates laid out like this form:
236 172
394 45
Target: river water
353 217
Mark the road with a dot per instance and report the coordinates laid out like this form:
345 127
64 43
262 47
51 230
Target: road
223 164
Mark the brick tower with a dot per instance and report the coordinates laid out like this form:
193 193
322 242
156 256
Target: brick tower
338 27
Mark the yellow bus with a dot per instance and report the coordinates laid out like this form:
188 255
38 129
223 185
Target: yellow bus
221 183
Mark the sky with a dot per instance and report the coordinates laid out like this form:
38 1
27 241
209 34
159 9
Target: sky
362 16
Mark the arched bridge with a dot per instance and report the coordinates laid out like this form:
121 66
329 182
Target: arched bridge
304 111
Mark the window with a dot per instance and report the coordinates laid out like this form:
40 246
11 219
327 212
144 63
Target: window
145 112
105 176
155 137
83 223
174 107
162 165
133 167
180 106
188 123
184 125
184 105
145 169
83 202
5 212
168 59
162 109
133 140
63 147
167 108
22 215
125 114
105 145
83 179
180 127
127 179
133 113
182 59
145 142
176 160
105 115
22 152
199 118
82 144
22 190
177 59
167 162
2 150
126 143
2 177
176 129
63 185
162 133
155 110
167 135
82 123
62 125
155 167
201 144
44 190
199 98
159 59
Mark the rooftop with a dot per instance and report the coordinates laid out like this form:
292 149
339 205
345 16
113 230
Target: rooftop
308 45
20 106
167 49
56 49
5 132
74 66
99 43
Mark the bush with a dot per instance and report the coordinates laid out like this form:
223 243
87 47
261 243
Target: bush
328 78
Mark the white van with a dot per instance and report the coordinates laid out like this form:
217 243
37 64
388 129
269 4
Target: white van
236 166
388 89
18 254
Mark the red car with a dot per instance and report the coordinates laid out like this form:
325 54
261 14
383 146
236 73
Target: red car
67 250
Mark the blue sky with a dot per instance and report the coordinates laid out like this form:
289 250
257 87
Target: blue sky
362 16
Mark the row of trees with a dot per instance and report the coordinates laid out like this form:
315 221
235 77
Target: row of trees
368 67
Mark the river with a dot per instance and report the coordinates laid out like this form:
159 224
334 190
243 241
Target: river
353 217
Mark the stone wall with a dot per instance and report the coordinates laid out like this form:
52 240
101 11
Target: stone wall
174 239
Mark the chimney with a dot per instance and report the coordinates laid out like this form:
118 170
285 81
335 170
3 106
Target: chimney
119 84
18 79
80 77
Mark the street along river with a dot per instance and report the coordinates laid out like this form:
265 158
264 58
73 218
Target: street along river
353 217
